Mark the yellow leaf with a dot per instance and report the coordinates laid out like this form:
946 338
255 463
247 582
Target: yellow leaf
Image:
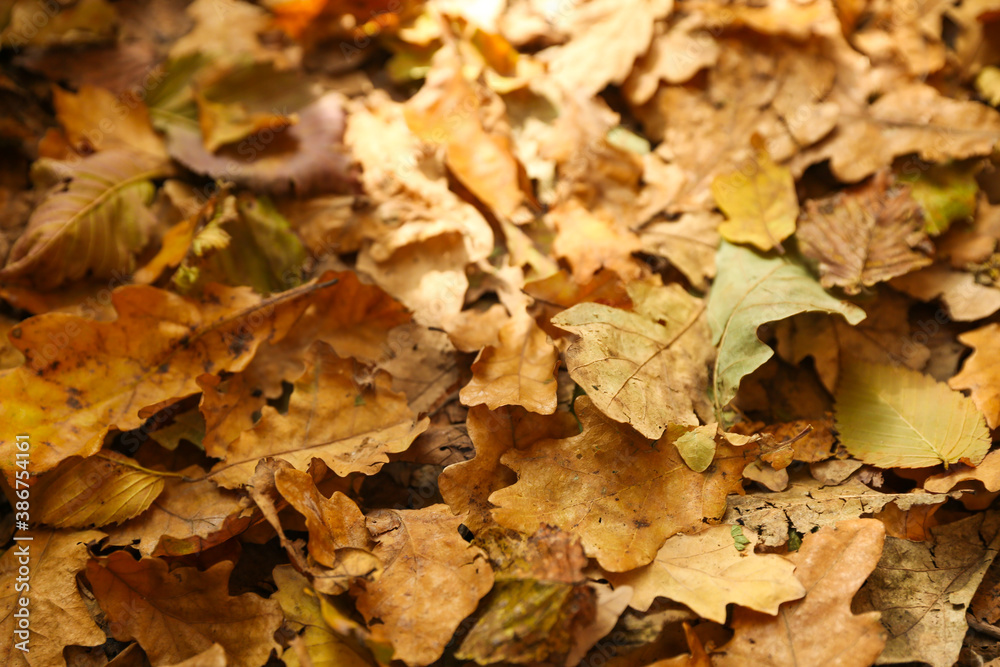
759 201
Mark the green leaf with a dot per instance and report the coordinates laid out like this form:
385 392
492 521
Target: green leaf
697 447
739 540
946 193
94 226
893 417
750 290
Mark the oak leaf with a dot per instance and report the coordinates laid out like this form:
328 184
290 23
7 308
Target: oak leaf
423 551
646 368
864 236
752 290
620 493
705 571
190 516
760 207
923 589
83 378
176 614
466 486
980 374
808 504
893 417
520 370
331 416
820 628
58 614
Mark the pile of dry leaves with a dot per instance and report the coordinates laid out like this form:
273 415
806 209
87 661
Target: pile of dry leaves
569 332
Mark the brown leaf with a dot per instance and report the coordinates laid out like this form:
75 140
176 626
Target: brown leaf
706 572
646 368
175 615
865 236
819 629
81 378
623 495
467 486
689 243
331 416
589 241
987 472
980 373
423 551
964 297
95 119
57 615
519 371
188 517
924 588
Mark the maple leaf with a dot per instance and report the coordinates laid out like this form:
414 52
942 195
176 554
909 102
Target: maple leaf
111 375
645 368
894 417
174 615
423 551
749 291
58 613
359 427
705 571
620 493
819 629
761 207
865 236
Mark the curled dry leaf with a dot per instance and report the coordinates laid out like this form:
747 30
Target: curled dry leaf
893 417
423 551
620 493
819 629
351 426
705 571
865 236
987 472
58 615
81 378
177 614
645 368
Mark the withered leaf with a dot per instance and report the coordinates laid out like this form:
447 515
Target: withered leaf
518 371
864 236
57 613
923 589
423 551
645 368
351 427
107 487
819 629
620 493
706 572
174 615
83 378
980 373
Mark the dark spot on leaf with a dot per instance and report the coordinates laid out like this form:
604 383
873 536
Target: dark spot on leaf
73 403
163 368
15 332
639 523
